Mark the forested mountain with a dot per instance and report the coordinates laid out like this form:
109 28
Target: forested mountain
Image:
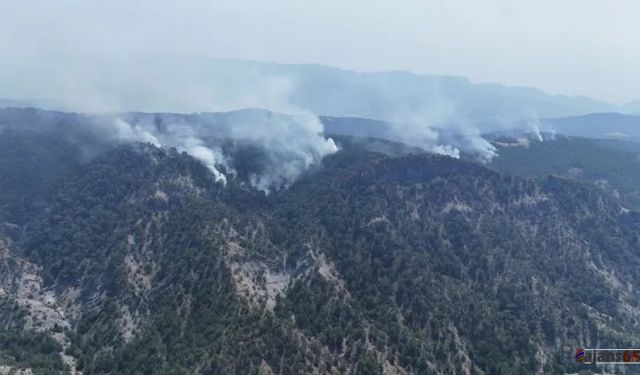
599 125
130 258
7 103
611 165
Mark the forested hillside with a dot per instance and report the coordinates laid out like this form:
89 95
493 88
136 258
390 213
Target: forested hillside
611 165
321 187
137 261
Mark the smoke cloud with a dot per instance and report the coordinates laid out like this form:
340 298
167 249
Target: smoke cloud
285 145
539 129
435 125
127 132
294 144
290 139
137 70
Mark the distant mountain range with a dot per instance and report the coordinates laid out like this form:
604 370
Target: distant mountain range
598 125
8 103
405 96
391 96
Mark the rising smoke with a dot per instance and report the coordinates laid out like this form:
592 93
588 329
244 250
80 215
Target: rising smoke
287 144
289 136
539 130
432 122
290 139
293 143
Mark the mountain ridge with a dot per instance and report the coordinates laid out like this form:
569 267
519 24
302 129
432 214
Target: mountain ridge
352 245
383 95
381 259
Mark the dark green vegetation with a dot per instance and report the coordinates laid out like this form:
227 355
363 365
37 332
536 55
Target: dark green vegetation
36 149
372 263
21 348
612 165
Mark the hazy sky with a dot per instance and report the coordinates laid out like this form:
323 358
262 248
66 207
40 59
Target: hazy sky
584 47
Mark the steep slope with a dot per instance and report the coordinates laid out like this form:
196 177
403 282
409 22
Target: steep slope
33 326
497 268
161 273
371 264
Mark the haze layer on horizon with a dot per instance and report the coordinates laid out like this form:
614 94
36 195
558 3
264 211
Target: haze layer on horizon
75 48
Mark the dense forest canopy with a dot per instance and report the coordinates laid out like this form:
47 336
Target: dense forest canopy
380 259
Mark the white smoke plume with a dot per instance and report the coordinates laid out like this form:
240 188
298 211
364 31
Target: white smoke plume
134 73
539 129
436 126
291 141
534 127
209 156
412 128
181 138
295 143
126 132
447 150
288 144
473 143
